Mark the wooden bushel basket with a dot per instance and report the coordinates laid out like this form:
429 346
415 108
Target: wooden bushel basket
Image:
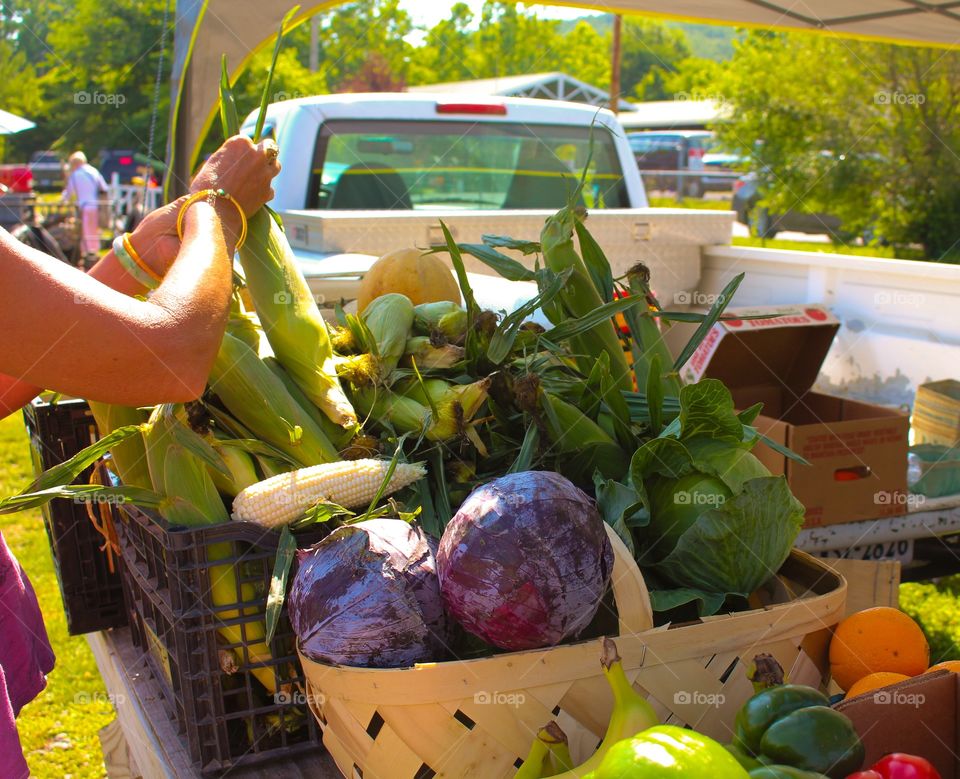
477 718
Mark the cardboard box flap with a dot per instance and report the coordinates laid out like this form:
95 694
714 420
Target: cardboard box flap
785 350
918 716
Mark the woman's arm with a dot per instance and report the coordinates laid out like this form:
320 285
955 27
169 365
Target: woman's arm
69 332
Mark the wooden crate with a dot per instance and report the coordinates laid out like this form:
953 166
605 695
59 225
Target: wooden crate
477 718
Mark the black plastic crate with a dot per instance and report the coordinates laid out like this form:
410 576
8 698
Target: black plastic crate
87 570
227 718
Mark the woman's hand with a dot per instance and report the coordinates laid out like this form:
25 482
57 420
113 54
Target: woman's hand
239 168
242 169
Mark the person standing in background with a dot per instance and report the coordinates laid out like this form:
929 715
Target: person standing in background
85 184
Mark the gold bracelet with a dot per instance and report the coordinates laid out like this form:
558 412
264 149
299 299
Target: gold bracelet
139 260
212 193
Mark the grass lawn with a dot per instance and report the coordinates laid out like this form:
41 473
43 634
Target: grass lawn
58 729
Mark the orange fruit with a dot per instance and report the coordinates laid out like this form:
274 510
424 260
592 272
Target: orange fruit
877 639
874 681
946 665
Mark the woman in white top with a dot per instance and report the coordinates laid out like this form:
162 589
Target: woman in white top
85 184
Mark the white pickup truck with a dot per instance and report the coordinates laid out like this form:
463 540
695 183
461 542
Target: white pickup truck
365 174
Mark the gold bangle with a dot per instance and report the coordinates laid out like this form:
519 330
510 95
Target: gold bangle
139 260
207 194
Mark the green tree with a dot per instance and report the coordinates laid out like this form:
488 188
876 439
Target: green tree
865 131
650 51
447 51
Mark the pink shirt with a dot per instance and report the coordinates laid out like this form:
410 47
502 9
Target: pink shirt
25 658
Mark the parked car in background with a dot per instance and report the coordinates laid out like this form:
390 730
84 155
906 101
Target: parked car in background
126 163
672 155
724 166
47 168
747 195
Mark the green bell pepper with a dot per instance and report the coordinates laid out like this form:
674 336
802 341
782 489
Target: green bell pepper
794 725
667 751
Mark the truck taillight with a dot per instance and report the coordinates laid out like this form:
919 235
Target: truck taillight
694 153
738 185
490 109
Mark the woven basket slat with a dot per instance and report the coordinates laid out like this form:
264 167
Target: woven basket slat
515 730
427 729
590 702
405 723
390 756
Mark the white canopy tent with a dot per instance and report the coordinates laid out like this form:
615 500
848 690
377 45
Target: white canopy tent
241 28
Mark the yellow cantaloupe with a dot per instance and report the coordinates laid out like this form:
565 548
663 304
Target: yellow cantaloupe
424 278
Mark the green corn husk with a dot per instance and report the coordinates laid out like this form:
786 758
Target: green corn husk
578 298
381 406
647 337
430 357
389 319
428 392
271 466
427 316
156 440
240 463
290 317
198 503
338 436
586 445
242 325
260 401
453 326
129 458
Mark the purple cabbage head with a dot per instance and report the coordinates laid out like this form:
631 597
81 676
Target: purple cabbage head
368 595
525 561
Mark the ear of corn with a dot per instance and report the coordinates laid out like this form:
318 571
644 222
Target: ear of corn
242 324
129 458
389 318
260 401
456 408
379 405
430 357
427 316
578 298
240 463
351 483
290 317
338 435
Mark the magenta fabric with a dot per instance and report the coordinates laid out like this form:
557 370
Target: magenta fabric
25 657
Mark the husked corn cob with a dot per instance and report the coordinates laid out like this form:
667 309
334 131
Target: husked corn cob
290 317
281 499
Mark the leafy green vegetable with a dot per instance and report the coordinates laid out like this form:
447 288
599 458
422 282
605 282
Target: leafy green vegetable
718 524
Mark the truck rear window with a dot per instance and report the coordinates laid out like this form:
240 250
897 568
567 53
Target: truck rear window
468 165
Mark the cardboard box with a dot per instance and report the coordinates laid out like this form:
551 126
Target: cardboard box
857 451
918 716
936 413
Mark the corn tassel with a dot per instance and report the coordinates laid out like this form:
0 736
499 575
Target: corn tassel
351 483
129 458
290 317
259 400
578 298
